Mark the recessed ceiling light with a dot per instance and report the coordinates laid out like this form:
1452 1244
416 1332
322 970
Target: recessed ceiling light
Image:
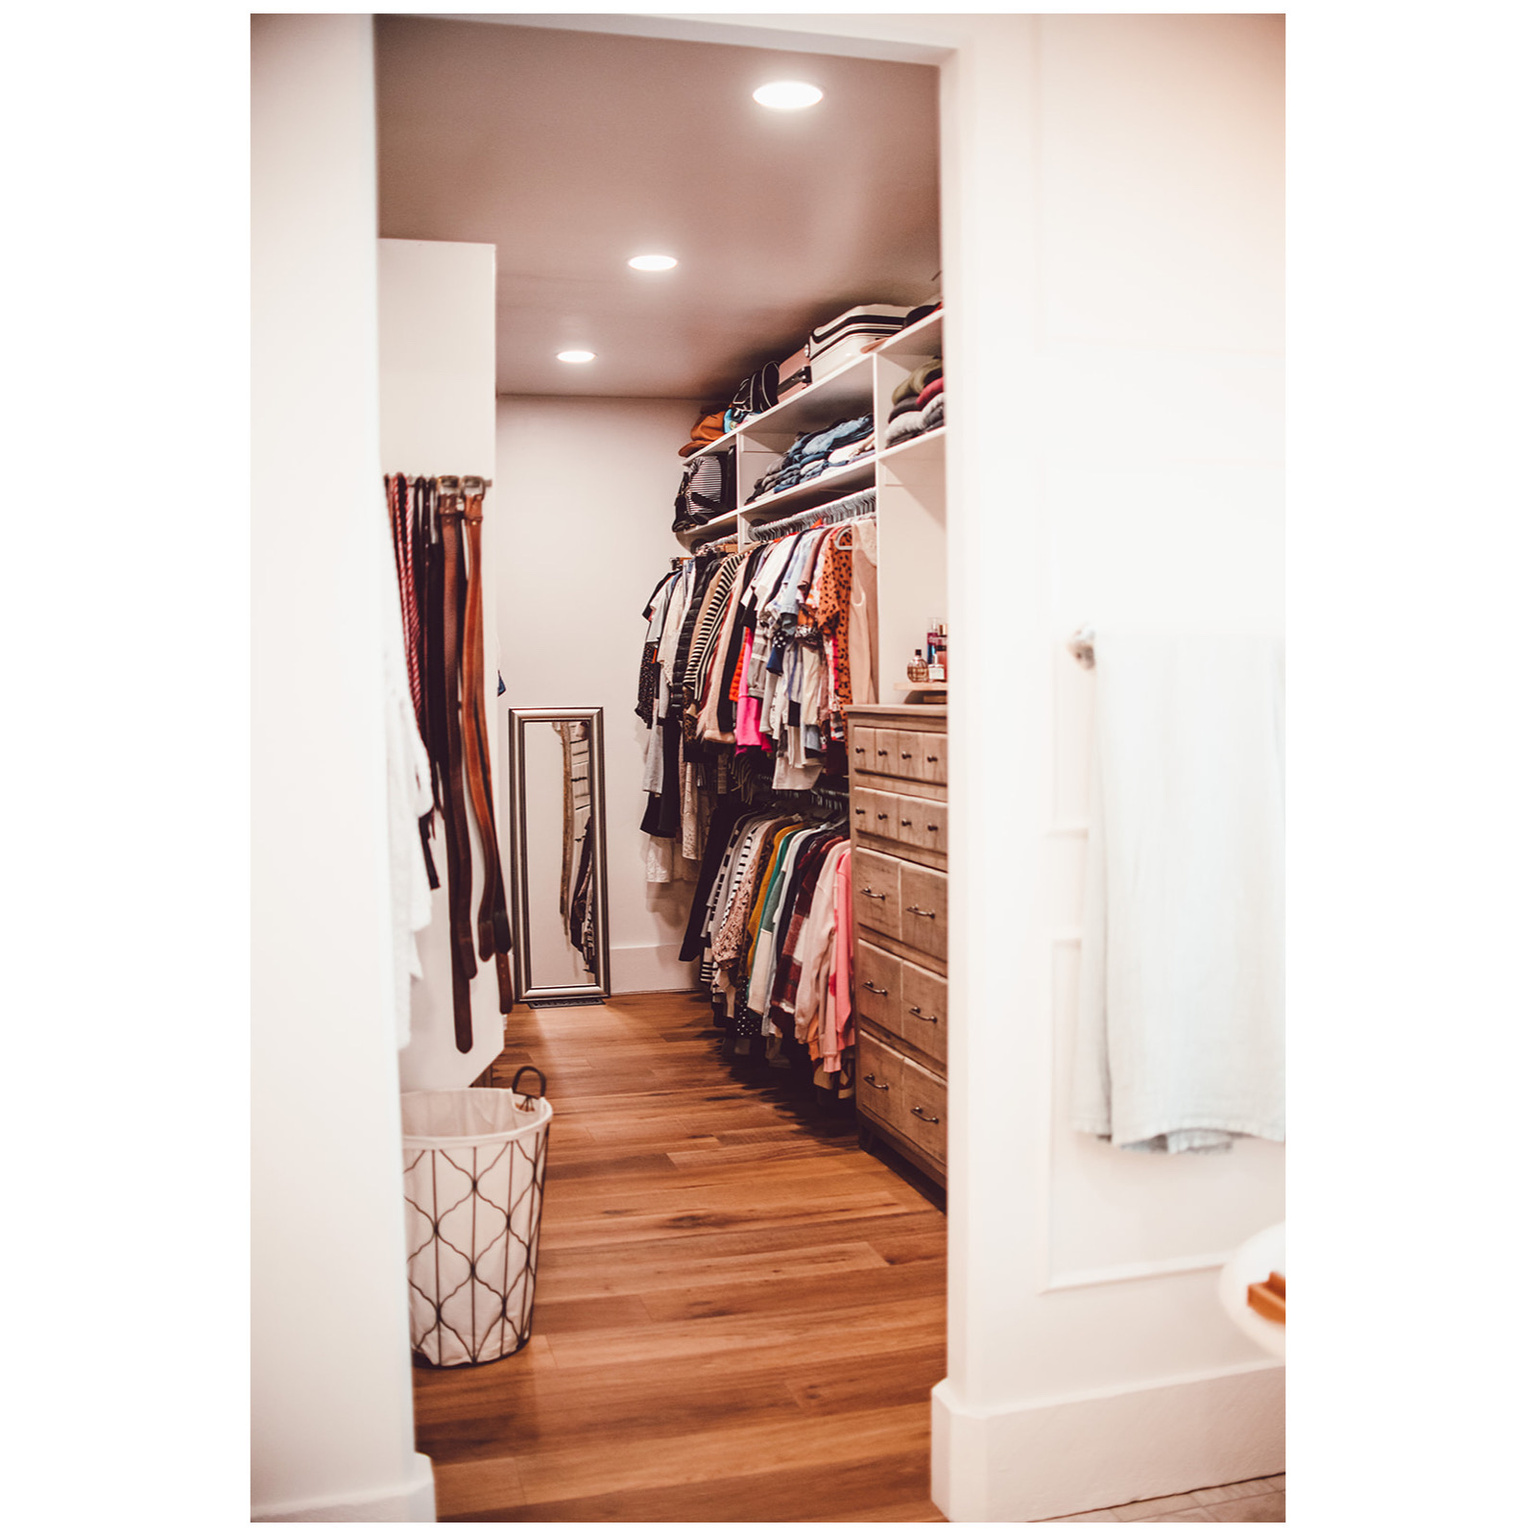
653 263
787 95
575 356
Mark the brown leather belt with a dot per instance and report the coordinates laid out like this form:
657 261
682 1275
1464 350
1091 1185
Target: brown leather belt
495 930
460 869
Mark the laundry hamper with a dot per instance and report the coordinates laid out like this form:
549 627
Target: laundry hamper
474 1192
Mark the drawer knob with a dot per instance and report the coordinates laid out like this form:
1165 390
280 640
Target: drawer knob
869 1077
933 826
905 756
864 890
917 1109
906 821
917 1013
859 811
919 911
931 759
882 753
881 816
858 751
878 991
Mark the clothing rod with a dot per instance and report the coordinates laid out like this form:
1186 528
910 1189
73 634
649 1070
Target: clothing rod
447 484
833 512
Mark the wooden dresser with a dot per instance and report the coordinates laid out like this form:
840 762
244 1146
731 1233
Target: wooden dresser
898 803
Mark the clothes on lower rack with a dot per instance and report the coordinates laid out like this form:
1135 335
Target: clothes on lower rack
773 926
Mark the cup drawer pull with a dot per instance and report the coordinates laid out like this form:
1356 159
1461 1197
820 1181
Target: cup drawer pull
869 1077
917 1109
878 991
920 913
917 1013
865 890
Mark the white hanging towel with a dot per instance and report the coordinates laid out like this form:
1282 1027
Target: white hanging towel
1182 1003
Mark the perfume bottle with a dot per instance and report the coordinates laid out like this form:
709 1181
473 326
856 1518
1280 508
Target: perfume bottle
917 668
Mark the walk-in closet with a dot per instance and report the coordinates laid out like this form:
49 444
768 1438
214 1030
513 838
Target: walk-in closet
822 463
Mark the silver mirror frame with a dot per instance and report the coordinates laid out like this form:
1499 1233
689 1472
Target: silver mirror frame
518 720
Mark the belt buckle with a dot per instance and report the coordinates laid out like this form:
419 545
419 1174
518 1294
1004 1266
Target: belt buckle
475 485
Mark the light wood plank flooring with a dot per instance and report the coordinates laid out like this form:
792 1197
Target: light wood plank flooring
739 1314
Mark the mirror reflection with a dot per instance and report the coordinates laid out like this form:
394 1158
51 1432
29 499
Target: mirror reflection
559 865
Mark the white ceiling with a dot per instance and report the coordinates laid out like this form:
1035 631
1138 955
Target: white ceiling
573 151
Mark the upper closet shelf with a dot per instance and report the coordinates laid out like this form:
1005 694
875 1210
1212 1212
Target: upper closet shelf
925 339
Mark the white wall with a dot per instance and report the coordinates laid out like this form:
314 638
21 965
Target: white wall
437 411
587 487
1117 440
331 1416
1112 256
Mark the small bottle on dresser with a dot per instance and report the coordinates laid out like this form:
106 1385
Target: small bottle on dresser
938 643
917 668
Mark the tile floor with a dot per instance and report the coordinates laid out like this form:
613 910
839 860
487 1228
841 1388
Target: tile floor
1260 1500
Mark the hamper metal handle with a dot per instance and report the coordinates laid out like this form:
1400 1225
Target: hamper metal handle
519 1077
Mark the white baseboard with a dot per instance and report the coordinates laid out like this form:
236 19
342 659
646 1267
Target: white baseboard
1039 1461
651 968
411 1503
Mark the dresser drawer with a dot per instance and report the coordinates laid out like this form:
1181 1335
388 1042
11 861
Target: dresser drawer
922 1109
932 758
924 910
879 1088
874 812
877 992
877 892
923 1020
888 752
921 823
861 749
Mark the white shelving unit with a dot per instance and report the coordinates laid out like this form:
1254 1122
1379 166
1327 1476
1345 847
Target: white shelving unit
908 481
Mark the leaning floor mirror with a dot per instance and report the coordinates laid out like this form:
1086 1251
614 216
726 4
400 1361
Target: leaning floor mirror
559 856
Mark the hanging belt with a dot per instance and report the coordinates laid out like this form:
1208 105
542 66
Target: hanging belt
460 868
410 570
494 928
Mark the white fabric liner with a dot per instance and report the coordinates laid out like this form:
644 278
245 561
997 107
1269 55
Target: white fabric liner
473 1198
464 1117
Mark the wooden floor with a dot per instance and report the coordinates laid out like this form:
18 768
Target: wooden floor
738 1313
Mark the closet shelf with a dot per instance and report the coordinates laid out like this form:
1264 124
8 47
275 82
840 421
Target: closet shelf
705 533
925 339
828 486
912 449
848 391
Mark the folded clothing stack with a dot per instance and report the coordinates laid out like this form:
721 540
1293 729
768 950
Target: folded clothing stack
815 452
917 403
705 431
